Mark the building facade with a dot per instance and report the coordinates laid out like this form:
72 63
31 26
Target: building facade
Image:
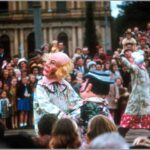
61 20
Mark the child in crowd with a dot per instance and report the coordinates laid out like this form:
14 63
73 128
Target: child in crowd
23 95
13 100
4 104
32 84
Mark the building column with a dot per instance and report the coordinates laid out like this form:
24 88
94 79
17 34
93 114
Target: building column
50 35
21 46
78 4
14 5
80 40
103 36
49 5
45 35
20 5
12 50
72 4
43 3
73 40
16 50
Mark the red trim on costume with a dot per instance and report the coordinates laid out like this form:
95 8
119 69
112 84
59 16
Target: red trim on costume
135 121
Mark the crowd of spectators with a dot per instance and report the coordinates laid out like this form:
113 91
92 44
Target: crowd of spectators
19 76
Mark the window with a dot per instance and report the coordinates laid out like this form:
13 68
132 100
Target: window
61 7
3 7
75 5
30 3
4 39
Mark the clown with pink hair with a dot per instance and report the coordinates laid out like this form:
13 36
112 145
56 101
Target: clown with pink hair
53 93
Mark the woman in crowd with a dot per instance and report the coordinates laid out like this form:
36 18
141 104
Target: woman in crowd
65 135
23 102
13 101
98 125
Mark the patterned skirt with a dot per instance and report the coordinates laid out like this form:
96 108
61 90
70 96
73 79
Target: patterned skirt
23 104
135 121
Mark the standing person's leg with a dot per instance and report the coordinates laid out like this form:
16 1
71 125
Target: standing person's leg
123 131
25 118
13 121
16 120
21 118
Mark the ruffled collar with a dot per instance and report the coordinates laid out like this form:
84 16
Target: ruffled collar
53 85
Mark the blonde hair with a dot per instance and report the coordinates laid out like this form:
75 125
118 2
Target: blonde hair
63 71
54 49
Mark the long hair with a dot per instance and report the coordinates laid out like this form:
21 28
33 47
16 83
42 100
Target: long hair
98 125
64 135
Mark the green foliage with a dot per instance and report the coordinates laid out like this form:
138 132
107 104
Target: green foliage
90 39
131 14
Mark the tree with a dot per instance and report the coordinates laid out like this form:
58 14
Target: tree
132 14
90 40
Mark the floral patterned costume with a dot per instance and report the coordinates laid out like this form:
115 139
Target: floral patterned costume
94 106
137 113
56 98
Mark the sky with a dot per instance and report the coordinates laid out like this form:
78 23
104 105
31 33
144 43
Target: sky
114 9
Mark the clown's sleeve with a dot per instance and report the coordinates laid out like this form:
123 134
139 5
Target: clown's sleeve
130 66
73 98
42 103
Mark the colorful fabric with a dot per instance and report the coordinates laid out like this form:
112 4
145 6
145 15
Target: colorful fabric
4 102
55 98
135 122
93 106
139 99
23 104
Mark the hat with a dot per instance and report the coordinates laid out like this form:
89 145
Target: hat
102 76
40 65
142 39
22 60
34 65
54 42
131 41
45 44
128 32
102 73
90 64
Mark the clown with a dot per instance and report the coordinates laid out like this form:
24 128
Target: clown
137 113
54 94
94 91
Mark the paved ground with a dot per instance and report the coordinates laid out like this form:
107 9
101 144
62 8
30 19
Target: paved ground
131 135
